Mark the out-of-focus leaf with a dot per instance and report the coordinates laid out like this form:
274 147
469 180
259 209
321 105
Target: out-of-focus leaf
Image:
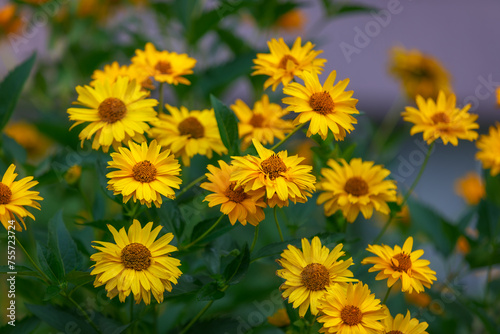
59 318
345 8
187 285
492 184
238 267
171 216
235 43
42 253
24 325
62 246
79 277
228 126
13 150
51 292
210 291
204 225
483 255
102 224
19 270
58 130
220 325
102 163
488 223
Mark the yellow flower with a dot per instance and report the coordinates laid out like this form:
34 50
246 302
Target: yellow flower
351 310
463 245
117 112
279 319
164 66
356 186
114 71
236 203
292 20
498 96
10 22
188 133
282 64
144 173
403 324
262 123
441 119
420 74
308 273
421 299
73 174
401 263
15 196
27 135
327 107
136 263
489 150
471 188
283 177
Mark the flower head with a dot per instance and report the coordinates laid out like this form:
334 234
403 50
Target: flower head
136 263
489 149
441 119
235 201
471 188
308 273
144 173
282 64
356 186
403 324
281 176
188 133
401 263
294 19
117 112
279 319
28 136
10 21
114 71
327 106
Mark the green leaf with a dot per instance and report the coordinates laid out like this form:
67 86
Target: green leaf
228 125
20 270
102 224
488 223
238 267
102 163
186 285
79 277
25 325
171 217
13 150
483 255
60 319
42 253
51 292
11 87
204 225
62 246
210 291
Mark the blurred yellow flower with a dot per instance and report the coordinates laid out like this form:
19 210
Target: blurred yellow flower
237 204
114 71
401 263
292 20
73 174
498 96
188 133
470 188
282 64
421 299
136 263
10 22
308 273
419 73
327 106
356 186
282 176
28 136
263 122
403 324
279 319
164 66
441 119
463 245
489 150
303 148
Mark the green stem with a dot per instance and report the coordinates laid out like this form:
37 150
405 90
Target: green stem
287 136
278 223
256 234
204 234
407 195
160 97
30 259
85 315
190 185
387 295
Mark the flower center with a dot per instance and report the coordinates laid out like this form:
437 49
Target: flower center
237 195
395 332
351 315
284 61
192 128
5 194
144 172
356 186
163 67
257 120
112 110
440 117
315 277
273 166
136 256
322 103
402 263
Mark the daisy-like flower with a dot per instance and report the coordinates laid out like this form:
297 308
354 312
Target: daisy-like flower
282 176
419 73
403 324
164 66
401 263
114 71
188 133
351 309
308 273
441 119
262 123
489 150
15 196
144 173
327 106
470 188
136 263
117 112
236 203
282 64
356 186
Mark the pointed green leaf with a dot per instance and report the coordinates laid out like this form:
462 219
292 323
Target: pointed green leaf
228 125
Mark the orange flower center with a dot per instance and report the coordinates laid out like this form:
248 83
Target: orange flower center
402 263
136 256
315 277
5 194
144 172
356 186
237 195
273 166
257 121
284 61
164 67
322 103
440 117
112 110
395 332
351 315
191 127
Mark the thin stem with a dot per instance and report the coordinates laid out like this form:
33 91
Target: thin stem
278 223
287 136
204 234
256 234
85 315
387 294
191 323
30 259
190 185
160 97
